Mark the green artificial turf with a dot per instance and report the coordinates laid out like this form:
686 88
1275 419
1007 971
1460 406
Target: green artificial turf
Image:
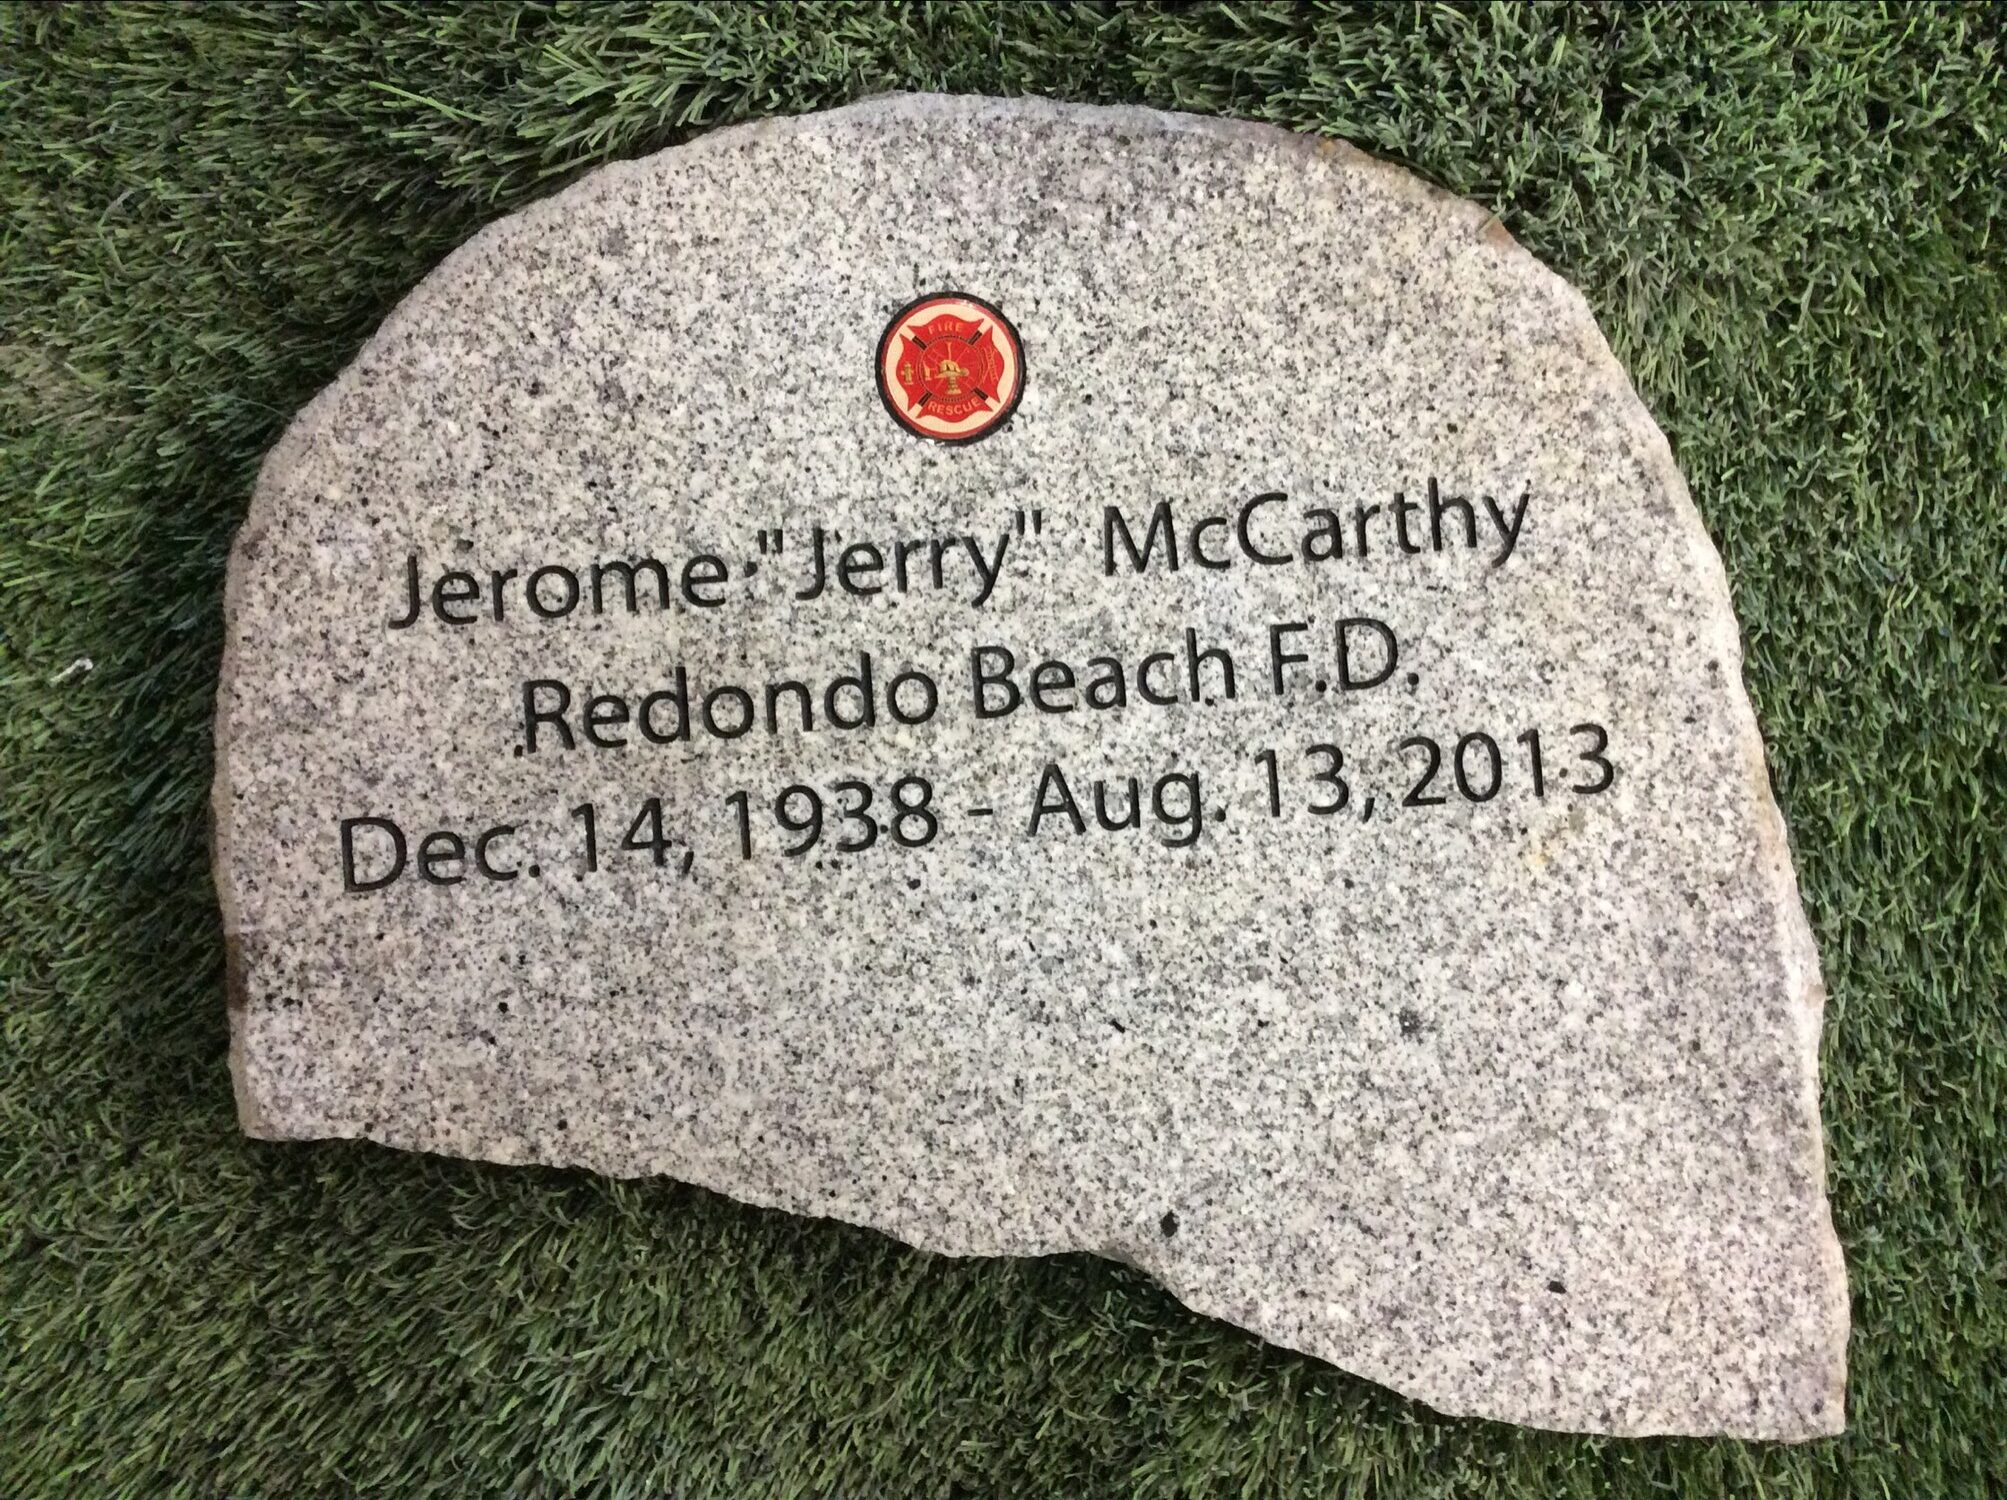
1790 224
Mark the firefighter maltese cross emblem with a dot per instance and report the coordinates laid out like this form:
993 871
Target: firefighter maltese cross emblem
950 368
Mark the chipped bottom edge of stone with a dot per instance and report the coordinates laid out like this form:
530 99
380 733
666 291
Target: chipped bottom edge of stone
1830 1422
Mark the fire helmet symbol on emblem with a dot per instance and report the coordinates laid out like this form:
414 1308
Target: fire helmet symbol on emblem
950 367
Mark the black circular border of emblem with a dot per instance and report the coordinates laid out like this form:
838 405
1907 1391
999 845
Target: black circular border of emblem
878 370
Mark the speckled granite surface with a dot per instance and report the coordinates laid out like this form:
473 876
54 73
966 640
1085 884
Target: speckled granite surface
1495 1083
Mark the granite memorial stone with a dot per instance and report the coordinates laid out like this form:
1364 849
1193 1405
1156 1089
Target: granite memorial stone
1044 679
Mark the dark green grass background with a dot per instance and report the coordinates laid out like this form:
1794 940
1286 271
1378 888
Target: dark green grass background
1790 224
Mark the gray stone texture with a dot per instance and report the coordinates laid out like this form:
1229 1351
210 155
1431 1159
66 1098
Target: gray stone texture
1510 1105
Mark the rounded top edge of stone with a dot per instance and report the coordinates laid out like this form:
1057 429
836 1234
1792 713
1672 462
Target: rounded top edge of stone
1461 216
919 104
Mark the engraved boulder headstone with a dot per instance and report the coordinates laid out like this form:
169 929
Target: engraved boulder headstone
1045 678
